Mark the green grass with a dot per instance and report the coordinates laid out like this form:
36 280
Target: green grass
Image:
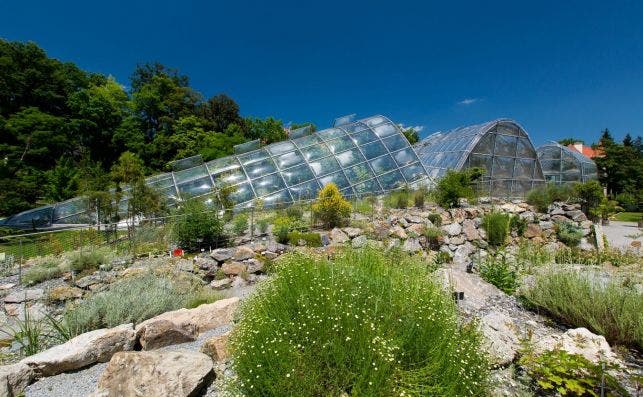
363 323
578 299
628 216
46 270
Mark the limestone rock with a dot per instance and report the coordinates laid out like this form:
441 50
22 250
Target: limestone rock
359 241
501 340
163 332
512 208
155 373
412 218
87 281
453 229
204 317
547 225
576 215
470 230
416 229
338 236
222 254
221 284
217 347
461 255
14 378
243 252
83 350
457 214
398 231
579 341
234 268
254 266
205 263
65 292
412 245
24 296
352 232
532 231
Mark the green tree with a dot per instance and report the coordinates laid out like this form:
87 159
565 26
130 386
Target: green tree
411 135
219 112
267 130
455 185
62 180
570 141
590 195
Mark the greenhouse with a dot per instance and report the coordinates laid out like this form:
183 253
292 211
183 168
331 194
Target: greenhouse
362 157
561 164
501 147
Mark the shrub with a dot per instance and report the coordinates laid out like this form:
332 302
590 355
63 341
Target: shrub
283 225
569 233
419 197
262 225
330 207
309 239
455 185
89 258
543 197
518 224
496 224
433 235
558 372
364 206
41 272
496 270
584 300
133 300
295 211
590 195
196 226
435 219
629 201
398 198
363 324
240 224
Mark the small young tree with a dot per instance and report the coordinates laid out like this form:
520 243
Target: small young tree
455 185
331 207
590 195
197 226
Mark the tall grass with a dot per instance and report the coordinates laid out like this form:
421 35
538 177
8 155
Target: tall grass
584 300
364 323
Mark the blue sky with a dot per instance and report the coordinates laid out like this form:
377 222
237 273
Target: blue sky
559 68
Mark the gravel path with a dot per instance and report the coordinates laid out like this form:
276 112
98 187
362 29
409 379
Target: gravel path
622 234
82 383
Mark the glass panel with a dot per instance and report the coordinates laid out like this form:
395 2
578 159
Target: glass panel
404 157
305 191
348 193
571 177
190 174
277 199
69 208
373 150
324 166
363 137
331 133
289 159
350 128
507 129
196 187
350 157
307 140
524 169
385 130
367 188
521 187
337 178
222 164
359 173
247 146
478 160
268 184
549 153
505 145
570 164
383 164
230 177
392 180
33 218
501 188
315 152
253 156
502 167
280 148
550 165
260 168
242 193
297 175
413 172
485 145
525 149
161 183
341 144
395 142
376 120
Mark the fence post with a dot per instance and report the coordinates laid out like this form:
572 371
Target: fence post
20 263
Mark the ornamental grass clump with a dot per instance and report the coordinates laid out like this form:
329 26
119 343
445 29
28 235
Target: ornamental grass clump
364 323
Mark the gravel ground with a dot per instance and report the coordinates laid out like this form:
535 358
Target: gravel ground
83 382
622 234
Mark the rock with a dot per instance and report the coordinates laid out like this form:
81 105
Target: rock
24 296
14 378
234 268
65 292
532 231
501 340
585 245
579 341
457 240
402 222
163 332
453 229
576 215
83 350
7 286
457 215
398 231
207 264
273 255
221 284
243 253
470 230
512 208
185 265
254 266
352 232
547 225
155 373
557 211
461 255
412 245
92 279
413 218
528 216
338 236
325 240
204 317
221 254
416 229
359 241
216 347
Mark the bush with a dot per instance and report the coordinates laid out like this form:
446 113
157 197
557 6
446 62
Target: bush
518 224
497 271
543 197
89 258
197 226
455 185
590 195
41 272
365 324
240 224
398 198
584 300
496 224
433 235
262 225
435 219
330 207
419 197
134 300
283 225
569 233
309 239
558 372
630 202
295 211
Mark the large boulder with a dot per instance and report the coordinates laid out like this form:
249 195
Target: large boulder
500 339
234 268
14 378
359 241
164 332
217 347
65 292
243 252
222 254
24 296
203 318
579 341
352 232
83 350
452 229
398 231
470 230
412 245
338 236
171 373
532 231
221 284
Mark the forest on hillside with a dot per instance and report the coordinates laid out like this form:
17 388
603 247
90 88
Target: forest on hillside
62 128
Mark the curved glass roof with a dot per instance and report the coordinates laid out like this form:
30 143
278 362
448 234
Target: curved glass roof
561 164
361 157
501 147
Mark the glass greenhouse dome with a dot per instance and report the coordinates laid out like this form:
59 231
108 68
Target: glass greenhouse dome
501 147
561 164
362 157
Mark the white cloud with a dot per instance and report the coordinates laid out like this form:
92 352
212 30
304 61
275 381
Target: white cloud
468 101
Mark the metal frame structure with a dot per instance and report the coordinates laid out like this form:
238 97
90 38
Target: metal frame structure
561 164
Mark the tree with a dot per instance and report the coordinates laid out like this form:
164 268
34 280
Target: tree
219 112
627 141
197 226
621 167
570 141
295 126
590 195
331 207
411 135
267 130
62 180
455 185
